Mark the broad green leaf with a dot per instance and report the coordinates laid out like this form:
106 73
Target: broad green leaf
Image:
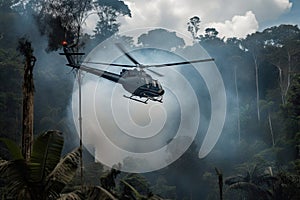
135 192
70 196
63 172
98 192
45 155
13 148
15 173
3 167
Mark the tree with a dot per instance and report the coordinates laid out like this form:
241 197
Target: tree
266 186
220 181
28 97
6 4
108 12
291 114
254 183
63 19
282 51
211 32
10 95
161 38
163 189
193 26
186 172
254 43
44 175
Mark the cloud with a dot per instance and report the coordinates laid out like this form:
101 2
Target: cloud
239 26
174 14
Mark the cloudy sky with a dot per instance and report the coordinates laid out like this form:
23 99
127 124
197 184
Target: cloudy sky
230 17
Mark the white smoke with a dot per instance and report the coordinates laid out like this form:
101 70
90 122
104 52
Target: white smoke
139 135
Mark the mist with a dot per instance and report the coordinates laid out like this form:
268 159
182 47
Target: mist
207 120
137 130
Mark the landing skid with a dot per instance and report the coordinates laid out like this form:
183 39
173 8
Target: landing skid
146 101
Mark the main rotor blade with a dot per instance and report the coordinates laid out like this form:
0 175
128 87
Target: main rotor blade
180 63
121 47
154 72
101 73
110 64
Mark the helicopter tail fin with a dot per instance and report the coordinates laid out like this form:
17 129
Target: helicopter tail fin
69 53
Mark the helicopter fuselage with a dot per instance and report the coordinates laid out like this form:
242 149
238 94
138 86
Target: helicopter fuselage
141 84
136 82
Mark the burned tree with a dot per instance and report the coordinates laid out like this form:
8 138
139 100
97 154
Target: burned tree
26 50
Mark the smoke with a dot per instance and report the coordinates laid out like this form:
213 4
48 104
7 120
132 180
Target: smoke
52 80
123 130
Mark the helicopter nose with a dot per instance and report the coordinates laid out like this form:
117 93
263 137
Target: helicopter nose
161 92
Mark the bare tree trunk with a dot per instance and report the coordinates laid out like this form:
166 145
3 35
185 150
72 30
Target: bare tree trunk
238 106
257 87
28 98
271 129
288 78
284 79
281 84
220 181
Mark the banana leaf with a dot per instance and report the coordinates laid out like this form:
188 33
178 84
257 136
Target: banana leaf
45 155
63 173
15 174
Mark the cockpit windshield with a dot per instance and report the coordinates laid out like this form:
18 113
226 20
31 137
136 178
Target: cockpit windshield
154 83
159 85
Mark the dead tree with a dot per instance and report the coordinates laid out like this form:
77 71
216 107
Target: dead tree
28 97
220 179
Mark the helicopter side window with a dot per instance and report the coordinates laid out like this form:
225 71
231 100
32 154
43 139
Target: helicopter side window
154 83
147 81
159 86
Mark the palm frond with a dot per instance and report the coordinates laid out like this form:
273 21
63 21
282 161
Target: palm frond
15 174
252 189
63 173
135 192
71 196
3 167
98 192
45 155
234 179
265 179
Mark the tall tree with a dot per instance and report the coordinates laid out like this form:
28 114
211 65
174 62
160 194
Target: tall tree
159 37
63 19
282 51
254 44
108 11
28 97
193 26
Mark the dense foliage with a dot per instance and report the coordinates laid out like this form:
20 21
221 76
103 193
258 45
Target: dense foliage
258 152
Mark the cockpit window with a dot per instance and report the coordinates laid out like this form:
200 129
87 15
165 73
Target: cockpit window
154 82
159 86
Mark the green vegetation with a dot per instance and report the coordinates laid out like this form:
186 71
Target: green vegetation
257 156
42 177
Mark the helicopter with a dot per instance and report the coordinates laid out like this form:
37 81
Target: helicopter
136 81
